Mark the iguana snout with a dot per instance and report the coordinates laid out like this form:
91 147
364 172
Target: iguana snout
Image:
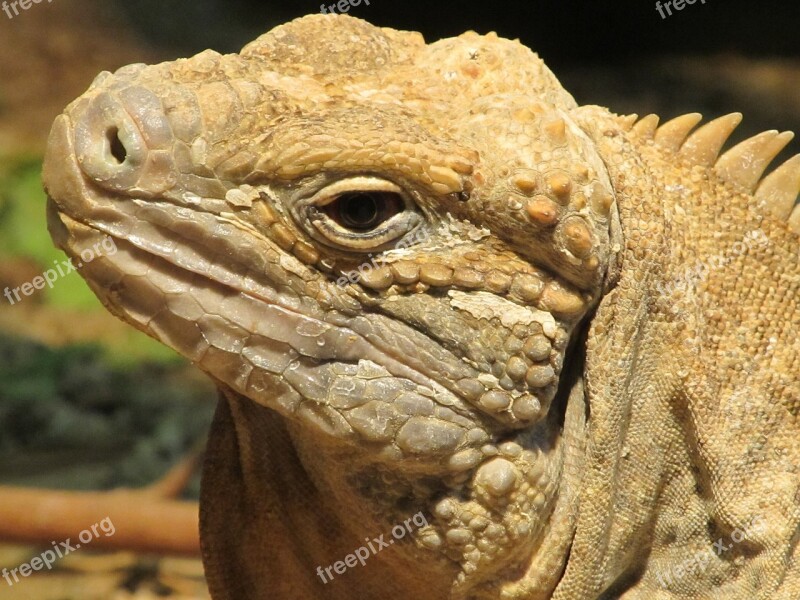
124 143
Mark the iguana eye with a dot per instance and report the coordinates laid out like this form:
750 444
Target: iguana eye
361 213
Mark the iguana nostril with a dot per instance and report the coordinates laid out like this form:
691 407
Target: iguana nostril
115 145
109 147
123 142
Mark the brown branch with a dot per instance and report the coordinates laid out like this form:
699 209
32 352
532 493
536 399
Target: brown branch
142 521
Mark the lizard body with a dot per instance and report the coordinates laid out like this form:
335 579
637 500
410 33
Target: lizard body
427 282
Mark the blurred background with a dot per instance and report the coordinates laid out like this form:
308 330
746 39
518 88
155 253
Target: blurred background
87 403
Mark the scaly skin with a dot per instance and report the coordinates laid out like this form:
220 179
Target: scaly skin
534 353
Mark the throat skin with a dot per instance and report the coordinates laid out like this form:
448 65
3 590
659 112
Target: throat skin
273 512
267 526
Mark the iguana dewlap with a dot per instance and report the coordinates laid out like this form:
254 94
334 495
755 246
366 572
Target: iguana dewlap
427 281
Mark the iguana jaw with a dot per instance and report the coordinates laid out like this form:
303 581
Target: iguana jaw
245 324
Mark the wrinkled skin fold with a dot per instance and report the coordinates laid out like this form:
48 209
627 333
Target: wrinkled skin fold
429 284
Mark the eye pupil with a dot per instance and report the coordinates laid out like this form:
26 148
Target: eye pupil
364 211
360 211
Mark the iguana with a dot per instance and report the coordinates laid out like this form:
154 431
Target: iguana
557 347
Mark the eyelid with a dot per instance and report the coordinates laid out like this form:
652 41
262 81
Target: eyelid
353 185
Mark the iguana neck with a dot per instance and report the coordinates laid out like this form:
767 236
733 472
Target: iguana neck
294 474
660 351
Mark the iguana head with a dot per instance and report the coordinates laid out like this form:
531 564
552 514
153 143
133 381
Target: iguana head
335 225
392 245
